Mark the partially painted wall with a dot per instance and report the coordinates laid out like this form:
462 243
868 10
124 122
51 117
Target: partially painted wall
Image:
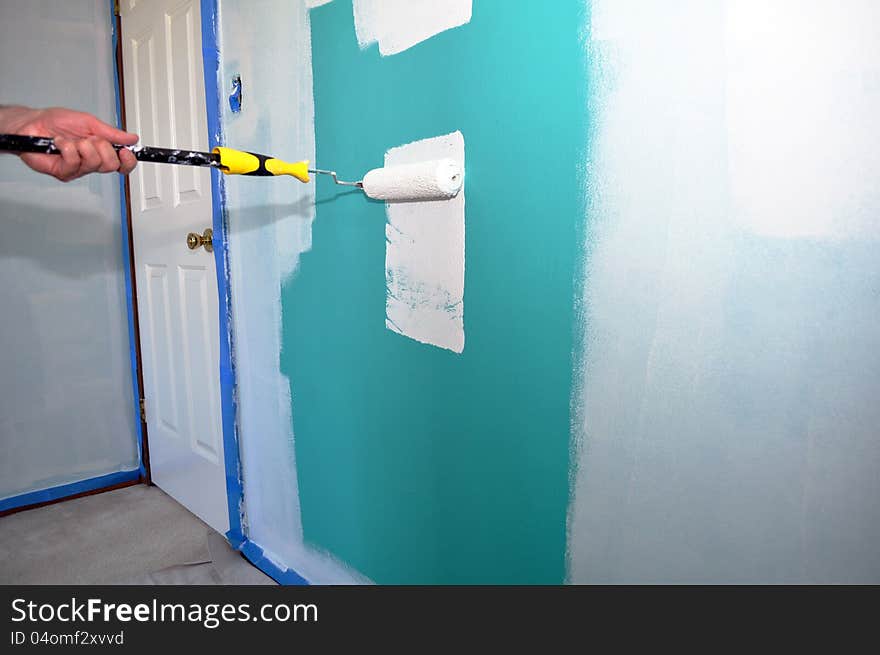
270 222
417 463
397 455
66 403
668 354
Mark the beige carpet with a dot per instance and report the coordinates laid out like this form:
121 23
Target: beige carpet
136 535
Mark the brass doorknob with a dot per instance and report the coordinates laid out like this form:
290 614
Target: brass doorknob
194 240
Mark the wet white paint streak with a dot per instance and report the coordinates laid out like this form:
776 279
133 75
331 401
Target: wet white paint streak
400 24
424 255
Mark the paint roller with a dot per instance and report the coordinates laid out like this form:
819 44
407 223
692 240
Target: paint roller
439 179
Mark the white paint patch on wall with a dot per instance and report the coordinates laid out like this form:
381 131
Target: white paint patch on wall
269 228
725 420
400 24
424 255
803 100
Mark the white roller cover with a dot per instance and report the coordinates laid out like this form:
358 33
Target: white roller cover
438 179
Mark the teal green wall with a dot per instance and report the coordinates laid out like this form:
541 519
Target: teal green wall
417 465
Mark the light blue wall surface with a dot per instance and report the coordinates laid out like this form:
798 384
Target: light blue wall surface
66 410
727 409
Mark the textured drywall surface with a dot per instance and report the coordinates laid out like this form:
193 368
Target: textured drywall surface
270 223
727 421
66 405
400 24
417 464
424 254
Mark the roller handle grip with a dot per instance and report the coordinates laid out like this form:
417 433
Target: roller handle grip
228 160
239 162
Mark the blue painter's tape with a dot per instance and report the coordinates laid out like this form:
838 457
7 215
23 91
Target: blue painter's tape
65 490
234 489
211 60
126 267
258 558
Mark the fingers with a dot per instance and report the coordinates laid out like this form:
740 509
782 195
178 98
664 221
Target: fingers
109 159
89 156
64 167
80 157
123 161
105 131
96 155
70 162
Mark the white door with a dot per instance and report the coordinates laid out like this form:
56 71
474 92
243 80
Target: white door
176 286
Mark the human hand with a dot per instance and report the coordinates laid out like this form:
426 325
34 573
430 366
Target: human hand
85 142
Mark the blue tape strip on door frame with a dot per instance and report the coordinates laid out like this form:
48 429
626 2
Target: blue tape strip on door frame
71 489
126 264
211 60
234 490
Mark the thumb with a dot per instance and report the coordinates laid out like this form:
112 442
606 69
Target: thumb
112 134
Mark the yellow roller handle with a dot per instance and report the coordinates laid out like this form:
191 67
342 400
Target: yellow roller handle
238 162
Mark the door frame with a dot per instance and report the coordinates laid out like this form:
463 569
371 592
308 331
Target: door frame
131 299
229 425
